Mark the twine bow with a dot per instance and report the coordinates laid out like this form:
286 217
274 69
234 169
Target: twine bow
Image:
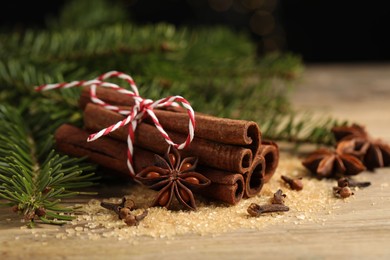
142 108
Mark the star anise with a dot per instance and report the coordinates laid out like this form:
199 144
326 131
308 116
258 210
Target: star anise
173 176
330 163
354 146
356 141
355 130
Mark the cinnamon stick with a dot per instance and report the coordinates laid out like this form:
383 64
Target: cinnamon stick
254 178
72 141
270 151
216 129
225 187
222 156
107 152
110 96
112 154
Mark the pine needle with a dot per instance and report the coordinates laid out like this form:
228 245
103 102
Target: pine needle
34 186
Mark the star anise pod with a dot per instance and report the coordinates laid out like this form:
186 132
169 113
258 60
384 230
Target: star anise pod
355 130
356 141
172 176
330 163
378 155
354 146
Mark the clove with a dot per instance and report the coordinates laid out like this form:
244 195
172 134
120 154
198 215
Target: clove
295 184
344 182
125 203
256 210
278 197
342 192
132 220
123 210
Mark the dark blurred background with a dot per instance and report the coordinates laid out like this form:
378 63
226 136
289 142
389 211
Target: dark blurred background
319 31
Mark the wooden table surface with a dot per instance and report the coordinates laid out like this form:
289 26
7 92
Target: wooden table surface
359 229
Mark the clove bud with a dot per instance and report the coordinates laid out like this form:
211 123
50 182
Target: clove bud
344 181
124 212
256 210
123 209
278 197
132 220
295 184
125 203
342 192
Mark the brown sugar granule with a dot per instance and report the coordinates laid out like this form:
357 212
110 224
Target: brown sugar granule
211 218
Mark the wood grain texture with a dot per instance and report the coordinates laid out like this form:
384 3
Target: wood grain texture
357 229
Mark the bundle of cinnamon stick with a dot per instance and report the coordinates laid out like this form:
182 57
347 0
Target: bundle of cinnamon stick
231 152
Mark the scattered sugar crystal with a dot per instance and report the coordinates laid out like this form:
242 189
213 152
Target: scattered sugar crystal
210 218
79 229
60 235
70 230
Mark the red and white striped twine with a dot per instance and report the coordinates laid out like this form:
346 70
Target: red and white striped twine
135 115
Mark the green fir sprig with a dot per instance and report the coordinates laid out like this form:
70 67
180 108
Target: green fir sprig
33 177
215 68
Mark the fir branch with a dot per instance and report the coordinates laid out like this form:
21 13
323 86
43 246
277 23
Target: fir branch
34 181
301 128
215 68
100 12
76 44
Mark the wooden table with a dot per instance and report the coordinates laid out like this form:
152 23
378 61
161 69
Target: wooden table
358 229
